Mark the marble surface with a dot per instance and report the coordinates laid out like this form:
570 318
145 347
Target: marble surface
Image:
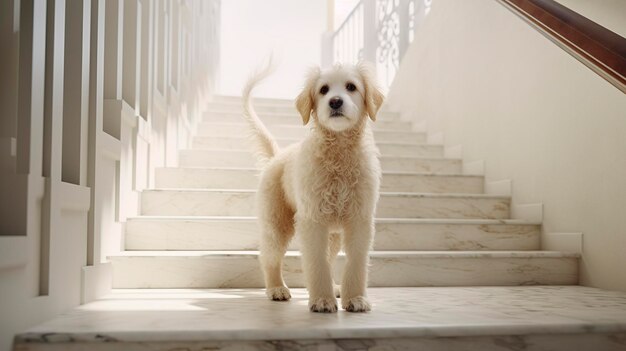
296 133
238 129
417 164
244 159
273 115
479 318
383 135
204 202
385 148
247 178
552 342
240 269
219 108
432 183
242 233
232 142
414 150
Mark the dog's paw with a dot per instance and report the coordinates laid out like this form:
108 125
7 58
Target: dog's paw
337 290
278 293
356 304
322 304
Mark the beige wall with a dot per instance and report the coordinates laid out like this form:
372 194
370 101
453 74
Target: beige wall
534 114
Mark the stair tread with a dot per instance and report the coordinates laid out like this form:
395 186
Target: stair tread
386 193
252 169
373 254
379 143
477 221
137 315
418 158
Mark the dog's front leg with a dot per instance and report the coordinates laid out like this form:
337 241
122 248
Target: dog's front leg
314 243
357 241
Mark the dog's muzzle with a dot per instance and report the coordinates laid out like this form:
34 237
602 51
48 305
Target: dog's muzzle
335 104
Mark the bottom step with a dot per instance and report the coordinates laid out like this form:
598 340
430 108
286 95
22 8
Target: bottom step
240 269
480 318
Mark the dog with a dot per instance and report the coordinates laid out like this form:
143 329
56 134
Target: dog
325 187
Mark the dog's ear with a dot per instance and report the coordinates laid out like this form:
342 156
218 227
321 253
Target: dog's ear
305 102
373 96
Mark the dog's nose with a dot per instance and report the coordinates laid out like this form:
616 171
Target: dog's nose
335 102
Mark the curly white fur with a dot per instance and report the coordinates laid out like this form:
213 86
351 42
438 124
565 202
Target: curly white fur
323 187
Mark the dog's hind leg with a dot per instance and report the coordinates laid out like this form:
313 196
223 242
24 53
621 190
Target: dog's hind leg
333 249
277 230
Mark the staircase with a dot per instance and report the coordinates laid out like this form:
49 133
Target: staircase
435 225
189 277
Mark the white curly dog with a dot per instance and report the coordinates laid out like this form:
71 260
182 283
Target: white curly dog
325 187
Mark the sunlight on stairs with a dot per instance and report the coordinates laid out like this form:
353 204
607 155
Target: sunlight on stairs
435 228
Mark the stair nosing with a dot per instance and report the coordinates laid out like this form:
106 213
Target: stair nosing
373 254
251 169
381 220
382 193
380 157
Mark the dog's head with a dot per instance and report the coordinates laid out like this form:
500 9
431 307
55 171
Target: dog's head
340 97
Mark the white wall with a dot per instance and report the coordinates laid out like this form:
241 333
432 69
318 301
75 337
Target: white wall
251 30
536 115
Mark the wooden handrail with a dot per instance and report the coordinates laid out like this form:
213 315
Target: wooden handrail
594 45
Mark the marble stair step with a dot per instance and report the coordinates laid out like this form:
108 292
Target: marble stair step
242 233
240 129
530 318
247 178
260 108
231 99
264 108
386 149
240 269
288 117
212 158
219 100
290 135
205 202
237 142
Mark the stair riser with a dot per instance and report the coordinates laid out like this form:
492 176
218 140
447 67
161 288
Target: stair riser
261 109
385 149
244 272
201 203
224 142
245 159
257 101
239 129
244 235
393 164
400 137
281 118
265 109
197 178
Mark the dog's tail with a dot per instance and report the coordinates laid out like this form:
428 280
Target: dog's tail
265 145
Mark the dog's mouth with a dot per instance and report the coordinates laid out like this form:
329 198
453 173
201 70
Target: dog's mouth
336 114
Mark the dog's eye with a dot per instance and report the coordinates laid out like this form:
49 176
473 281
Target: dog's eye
324 90
350 87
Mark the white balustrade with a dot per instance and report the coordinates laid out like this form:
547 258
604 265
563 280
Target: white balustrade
378 31
95 94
